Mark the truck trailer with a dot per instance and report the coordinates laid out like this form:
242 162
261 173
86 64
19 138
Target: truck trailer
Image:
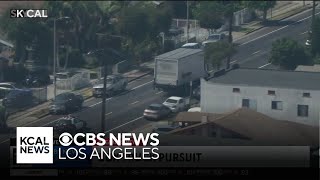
179 68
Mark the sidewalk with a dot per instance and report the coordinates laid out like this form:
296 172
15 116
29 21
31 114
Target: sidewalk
282 10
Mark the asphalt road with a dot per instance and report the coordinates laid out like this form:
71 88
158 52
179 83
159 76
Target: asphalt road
124 111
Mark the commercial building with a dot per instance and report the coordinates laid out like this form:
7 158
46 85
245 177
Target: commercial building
282 95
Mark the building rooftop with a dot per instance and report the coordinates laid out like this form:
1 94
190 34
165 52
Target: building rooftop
178 53
259 128
270 78
314 68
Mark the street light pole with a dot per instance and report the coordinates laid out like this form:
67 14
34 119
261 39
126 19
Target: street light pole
104 94
54 55
54 59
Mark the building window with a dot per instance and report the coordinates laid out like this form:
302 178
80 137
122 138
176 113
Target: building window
270 92
245 103
303 110
277 105
306 94
236 90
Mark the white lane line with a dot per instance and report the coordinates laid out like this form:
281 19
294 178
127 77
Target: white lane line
124 124
5 141
159 92
256 52
142 85
233 61
304 32
99 102
135 102
276 30
108 113
264 65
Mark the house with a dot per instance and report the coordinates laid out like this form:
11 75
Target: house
283 95
244 127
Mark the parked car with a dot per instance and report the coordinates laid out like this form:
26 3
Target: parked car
191 46
11 86
37 78
165 129
214 38
115 83
177 104
70 124
17 98
196 93
195 109
156 112
66 102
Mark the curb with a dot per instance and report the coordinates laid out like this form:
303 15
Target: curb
282 18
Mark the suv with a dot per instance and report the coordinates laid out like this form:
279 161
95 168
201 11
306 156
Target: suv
65 102
115 83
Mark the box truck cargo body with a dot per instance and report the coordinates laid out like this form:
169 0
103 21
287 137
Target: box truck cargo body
178 67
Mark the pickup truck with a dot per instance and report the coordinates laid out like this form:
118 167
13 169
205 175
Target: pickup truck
115 83
177 104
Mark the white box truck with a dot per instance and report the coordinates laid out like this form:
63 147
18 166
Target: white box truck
177 68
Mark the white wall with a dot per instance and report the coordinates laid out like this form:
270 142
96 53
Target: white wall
218 98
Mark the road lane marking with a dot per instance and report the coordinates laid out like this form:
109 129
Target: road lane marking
159 92
135 102
124 124
4 141
276 30
264 65
142 85
304 32
233 61
99 102
108 113
256 52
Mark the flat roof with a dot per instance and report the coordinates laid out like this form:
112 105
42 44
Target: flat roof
179 53
270 78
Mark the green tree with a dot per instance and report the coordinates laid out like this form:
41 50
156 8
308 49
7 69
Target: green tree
210 14
288 54
262 6
216 52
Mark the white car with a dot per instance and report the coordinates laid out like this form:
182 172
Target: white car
195 109
115 83
9 86
176 104
214 38
191 46
308 43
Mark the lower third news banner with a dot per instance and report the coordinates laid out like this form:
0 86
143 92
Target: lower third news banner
97 158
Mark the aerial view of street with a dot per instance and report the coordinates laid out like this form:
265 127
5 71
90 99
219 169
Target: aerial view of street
199 73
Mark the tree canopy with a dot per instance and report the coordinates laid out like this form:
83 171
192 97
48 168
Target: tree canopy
288 54
262 6
216 52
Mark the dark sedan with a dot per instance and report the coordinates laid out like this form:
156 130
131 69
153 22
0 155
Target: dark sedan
156 111
66 102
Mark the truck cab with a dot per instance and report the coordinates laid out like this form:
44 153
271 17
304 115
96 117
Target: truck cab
177 104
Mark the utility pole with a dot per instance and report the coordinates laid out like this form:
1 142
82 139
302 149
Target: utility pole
187 21
313 12
104 96
54 60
